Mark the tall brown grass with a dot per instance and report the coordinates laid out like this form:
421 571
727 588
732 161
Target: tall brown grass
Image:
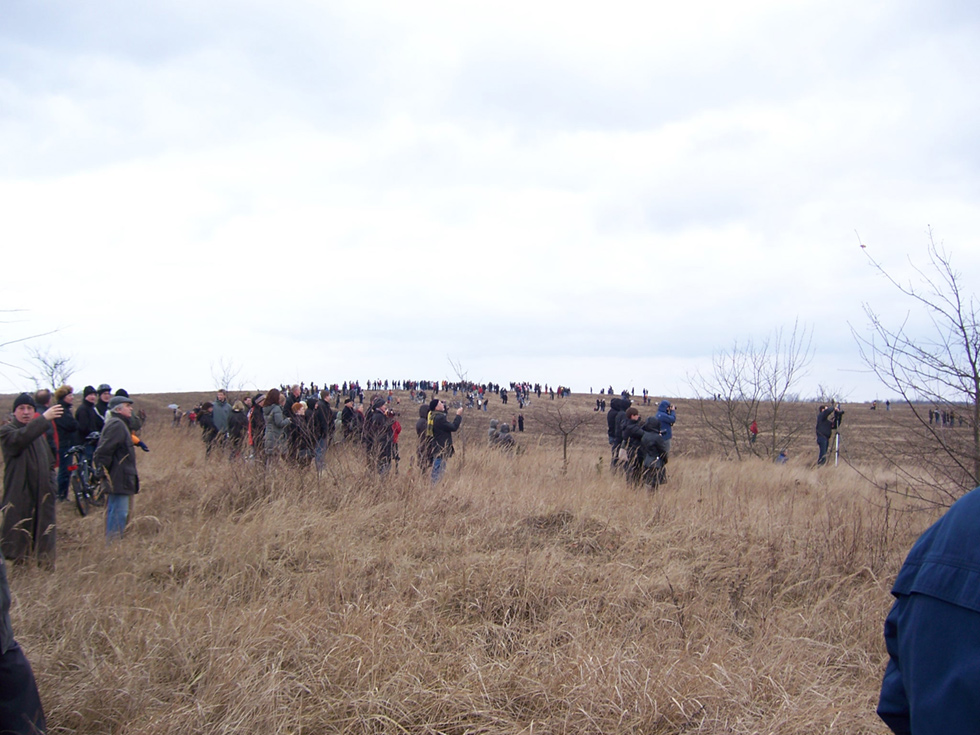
514 597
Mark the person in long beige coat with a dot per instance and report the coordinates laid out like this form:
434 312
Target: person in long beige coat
28 496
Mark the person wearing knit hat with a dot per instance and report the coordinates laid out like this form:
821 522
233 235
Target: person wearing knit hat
439 431
89 420
28 529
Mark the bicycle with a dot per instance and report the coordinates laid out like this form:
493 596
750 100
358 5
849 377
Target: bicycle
87 486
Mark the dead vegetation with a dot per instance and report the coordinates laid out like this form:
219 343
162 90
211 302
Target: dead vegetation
512 598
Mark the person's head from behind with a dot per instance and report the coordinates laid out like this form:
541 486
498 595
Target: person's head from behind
272 397
42 397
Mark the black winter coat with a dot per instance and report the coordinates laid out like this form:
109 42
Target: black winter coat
88 420
442 434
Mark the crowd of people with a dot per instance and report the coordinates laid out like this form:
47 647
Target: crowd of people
35 442
640 447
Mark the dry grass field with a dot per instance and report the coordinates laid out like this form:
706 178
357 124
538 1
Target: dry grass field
518 596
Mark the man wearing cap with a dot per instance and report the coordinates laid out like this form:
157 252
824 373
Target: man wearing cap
28 491
116 455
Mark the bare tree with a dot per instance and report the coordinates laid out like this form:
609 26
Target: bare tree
935 373
17 340
225 374
457 366
561 420
752 382
51 369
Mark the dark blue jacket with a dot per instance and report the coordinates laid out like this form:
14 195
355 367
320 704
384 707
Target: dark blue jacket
666 420
932 633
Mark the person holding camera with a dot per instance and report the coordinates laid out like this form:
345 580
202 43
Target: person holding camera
439 431
666 415
828 418
28 487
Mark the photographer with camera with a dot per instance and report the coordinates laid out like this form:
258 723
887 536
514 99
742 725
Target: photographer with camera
666 415
828 419
439 432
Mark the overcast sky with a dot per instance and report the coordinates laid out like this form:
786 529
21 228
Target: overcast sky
572 193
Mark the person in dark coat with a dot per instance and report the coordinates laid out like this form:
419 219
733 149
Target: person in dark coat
932 632
348 419
617 408
298 436
632 442
115 455
377 435
237 428
102 405
20 703
209 432
256 425
324 427
88 419
66 435
826 420
28 493
439 430
423 450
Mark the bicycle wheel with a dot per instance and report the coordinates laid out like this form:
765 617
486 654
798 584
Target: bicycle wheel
78 490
